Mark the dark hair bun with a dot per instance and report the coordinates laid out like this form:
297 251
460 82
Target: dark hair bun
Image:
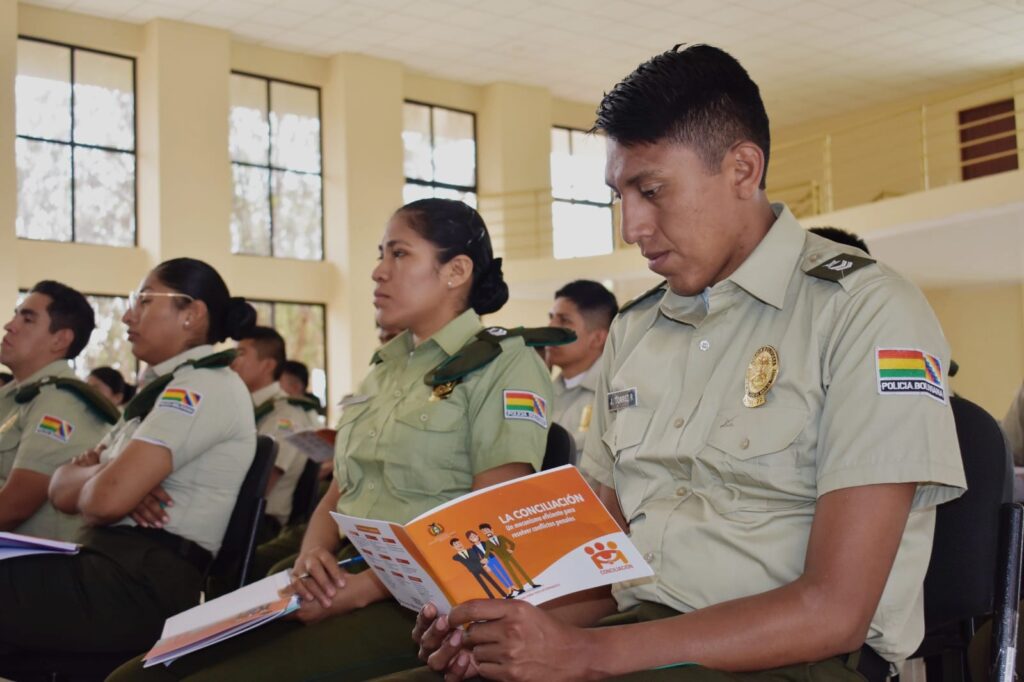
239 318
490 292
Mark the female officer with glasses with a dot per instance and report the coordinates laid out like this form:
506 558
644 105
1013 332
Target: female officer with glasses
156 494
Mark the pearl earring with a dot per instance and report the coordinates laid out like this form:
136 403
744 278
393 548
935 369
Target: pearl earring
449 284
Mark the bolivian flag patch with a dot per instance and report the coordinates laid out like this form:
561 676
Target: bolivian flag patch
526 405
55 428
180 399
285 425
908 371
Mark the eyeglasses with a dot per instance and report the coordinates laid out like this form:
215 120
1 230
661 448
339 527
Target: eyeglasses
137 297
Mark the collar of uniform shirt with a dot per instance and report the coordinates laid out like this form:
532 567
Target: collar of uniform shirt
766 272
271 390
578 379
451 337
171 364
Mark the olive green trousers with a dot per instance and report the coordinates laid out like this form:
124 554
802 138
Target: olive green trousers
359 645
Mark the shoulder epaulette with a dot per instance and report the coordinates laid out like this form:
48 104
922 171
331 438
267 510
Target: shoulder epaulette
95 400
647 294
144 400
480 350
263 409
839 266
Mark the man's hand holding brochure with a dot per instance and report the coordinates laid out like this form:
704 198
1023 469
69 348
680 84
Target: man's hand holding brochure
533 539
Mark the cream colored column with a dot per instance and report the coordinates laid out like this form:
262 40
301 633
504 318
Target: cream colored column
184 171
8 174
514 138
362 137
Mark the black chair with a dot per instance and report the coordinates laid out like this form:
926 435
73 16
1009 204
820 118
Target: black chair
304 499
230 568
233 564
975 546
560 448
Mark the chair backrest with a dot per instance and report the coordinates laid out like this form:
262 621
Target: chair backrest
234 559
961 575
304 498
560 448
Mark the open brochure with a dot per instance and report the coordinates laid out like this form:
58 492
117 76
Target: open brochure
316 444
222 618
534 538
15 545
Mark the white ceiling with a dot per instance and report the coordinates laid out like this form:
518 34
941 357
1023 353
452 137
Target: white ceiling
812 58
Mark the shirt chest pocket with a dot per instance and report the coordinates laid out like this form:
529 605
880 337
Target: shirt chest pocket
623 438
428 452
347 441
763 462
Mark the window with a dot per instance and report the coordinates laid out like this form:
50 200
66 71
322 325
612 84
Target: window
305 338
108 345
274 142
581 209
75 145
988 140
440 153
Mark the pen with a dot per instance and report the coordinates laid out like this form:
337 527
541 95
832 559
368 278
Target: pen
343 562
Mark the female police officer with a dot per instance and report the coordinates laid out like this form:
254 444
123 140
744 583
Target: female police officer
156 494
402 447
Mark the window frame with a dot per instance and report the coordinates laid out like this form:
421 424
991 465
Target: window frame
270 167
72 144
434 184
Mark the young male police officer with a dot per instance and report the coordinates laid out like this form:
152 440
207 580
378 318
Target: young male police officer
772 424
47 416
260 360
588 309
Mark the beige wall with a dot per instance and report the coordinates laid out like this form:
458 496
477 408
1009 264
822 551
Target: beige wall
985 329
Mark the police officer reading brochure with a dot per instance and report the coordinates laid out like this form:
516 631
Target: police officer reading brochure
772 425
428 424
47 416
156 494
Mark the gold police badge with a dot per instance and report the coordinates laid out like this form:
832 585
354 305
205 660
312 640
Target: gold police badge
442 391
761 374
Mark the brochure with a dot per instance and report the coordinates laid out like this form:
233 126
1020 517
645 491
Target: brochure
318 444
222 618
534 538
15 545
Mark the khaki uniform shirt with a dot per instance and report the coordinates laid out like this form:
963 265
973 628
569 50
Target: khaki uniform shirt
398 453
281 422
1013 427
574 406
205 418
43 434
720 497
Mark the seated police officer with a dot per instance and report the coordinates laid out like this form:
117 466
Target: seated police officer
259 362
47 416
772 426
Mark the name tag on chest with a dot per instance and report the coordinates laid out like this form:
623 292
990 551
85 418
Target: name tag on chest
620 400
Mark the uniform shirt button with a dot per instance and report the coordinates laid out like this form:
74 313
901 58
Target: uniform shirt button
679 423
372 434
424 417
680 491
372 486
745 443
705 344
398 394
649 557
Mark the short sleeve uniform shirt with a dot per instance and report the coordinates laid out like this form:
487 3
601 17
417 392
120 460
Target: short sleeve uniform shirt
399 452
205 418
43 434
720 497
